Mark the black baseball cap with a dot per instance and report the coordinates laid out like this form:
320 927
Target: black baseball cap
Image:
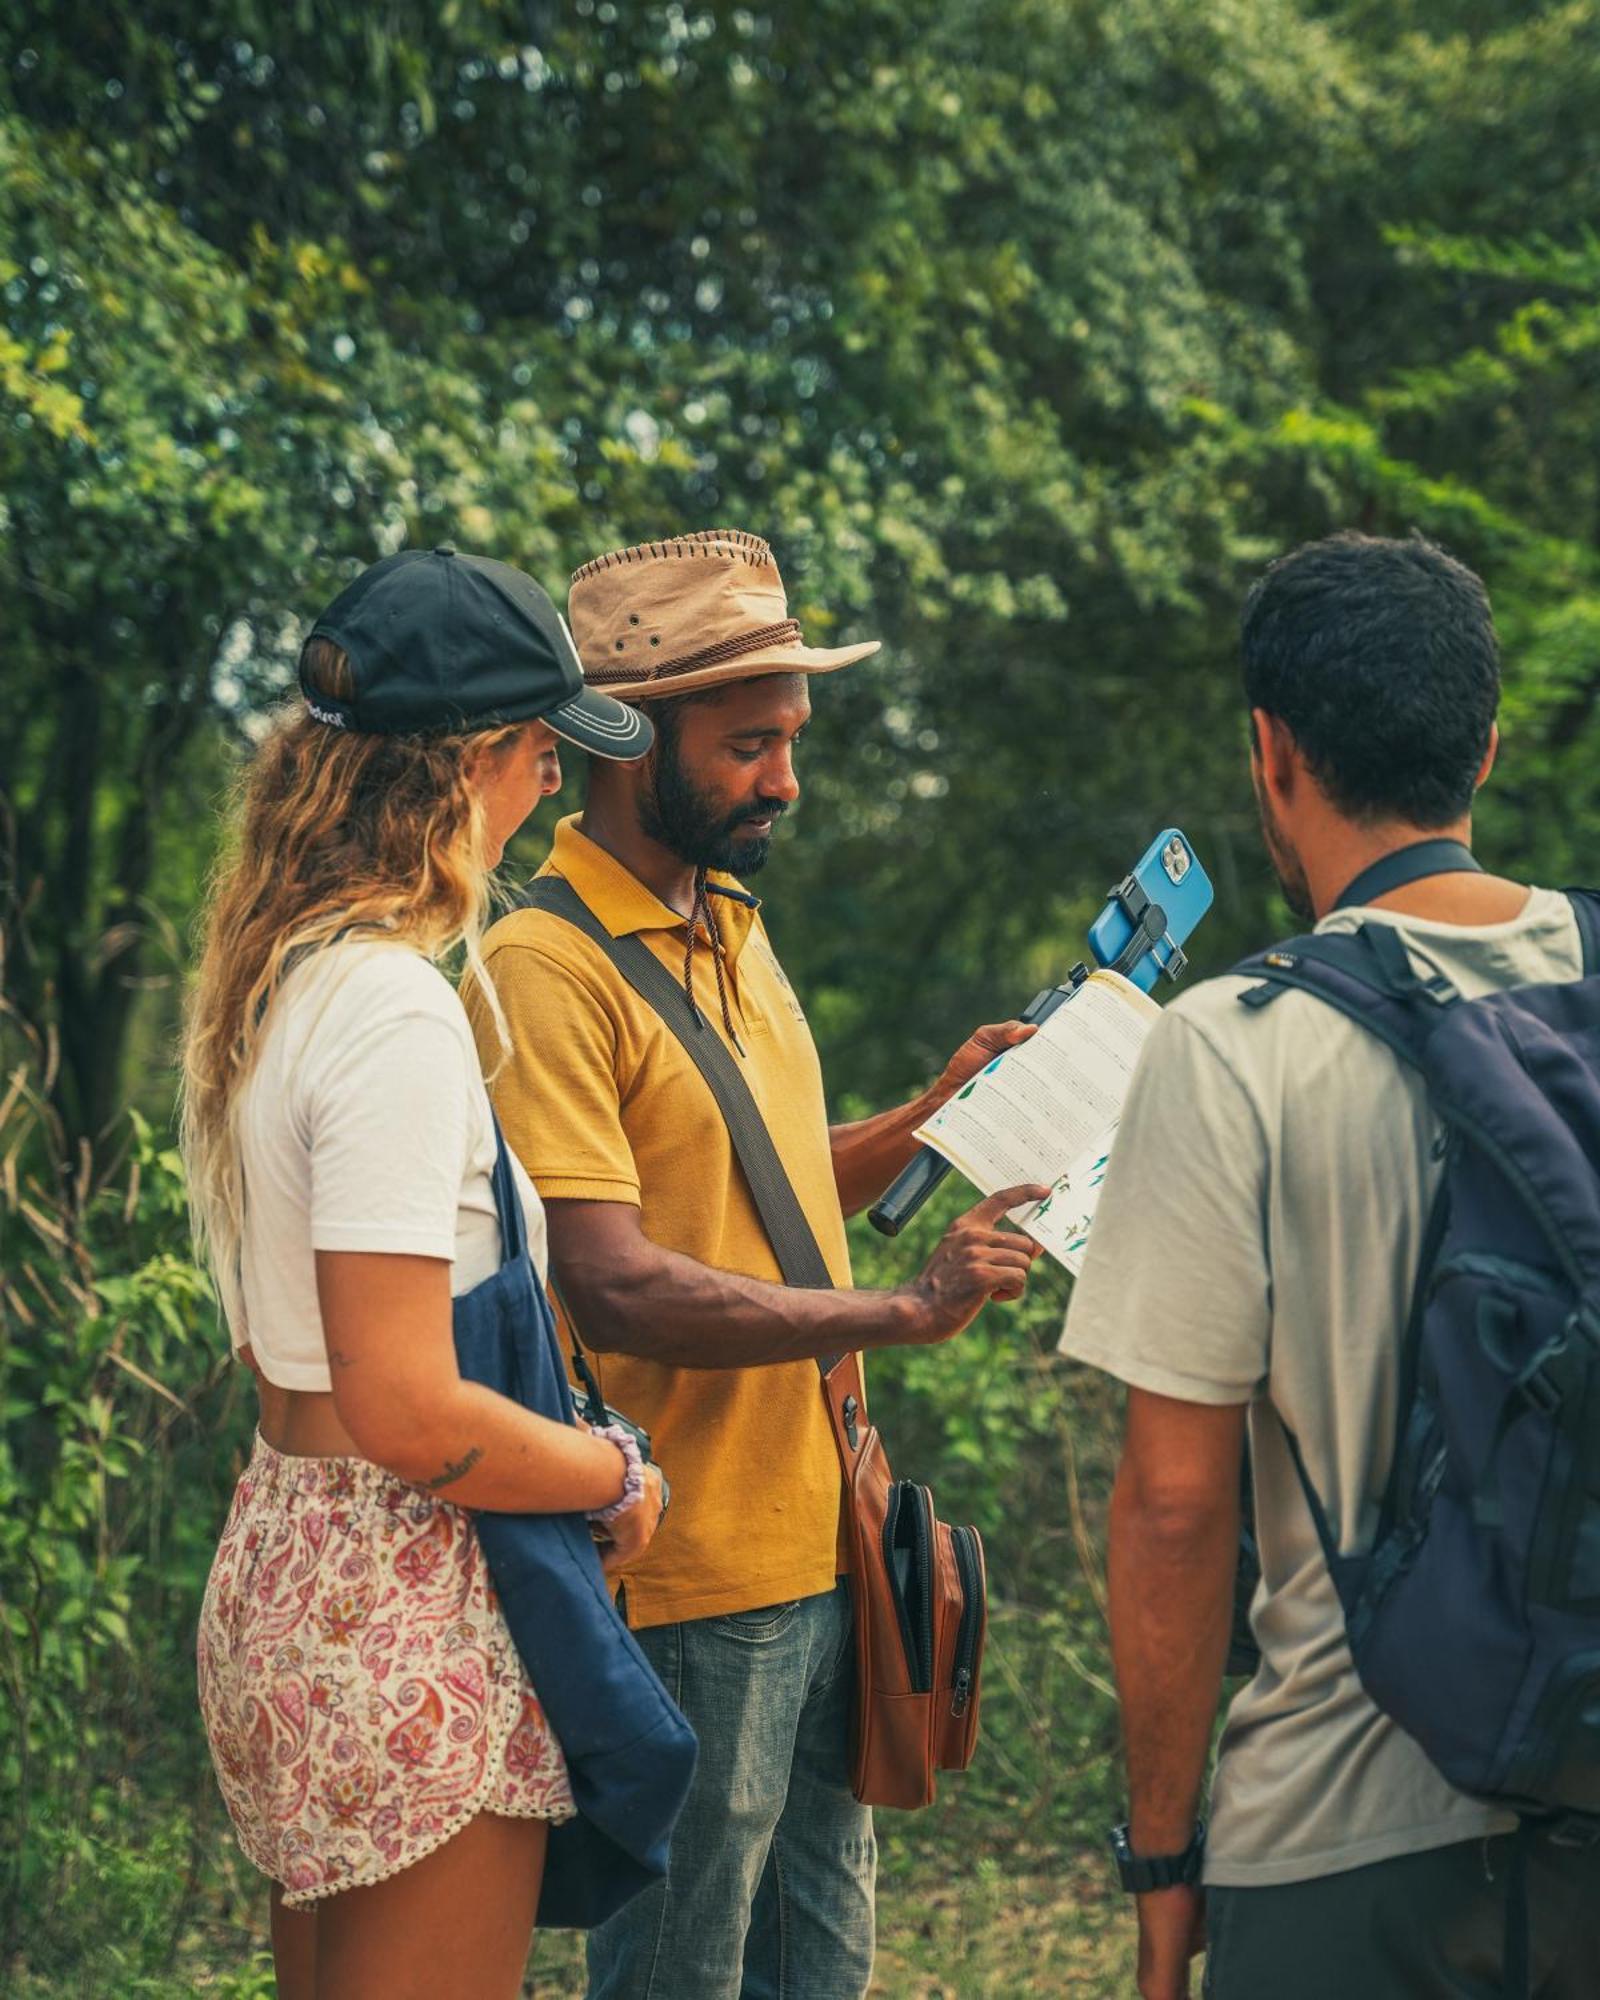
438 640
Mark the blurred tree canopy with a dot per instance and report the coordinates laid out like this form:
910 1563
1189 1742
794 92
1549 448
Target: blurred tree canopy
1025 329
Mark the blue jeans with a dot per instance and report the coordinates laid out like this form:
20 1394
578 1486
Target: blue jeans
768 1894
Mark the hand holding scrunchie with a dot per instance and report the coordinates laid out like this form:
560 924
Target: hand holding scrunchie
624 1529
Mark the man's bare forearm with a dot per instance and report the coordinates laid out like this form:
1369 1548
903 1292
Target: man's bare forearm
1170 1572
640 1299
869 1152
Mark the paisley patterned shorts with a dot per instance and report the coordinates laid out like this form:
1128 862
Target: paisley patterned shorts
361 1693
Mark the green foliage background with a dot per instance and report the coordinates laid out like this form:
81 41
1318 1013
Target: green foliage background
1026 330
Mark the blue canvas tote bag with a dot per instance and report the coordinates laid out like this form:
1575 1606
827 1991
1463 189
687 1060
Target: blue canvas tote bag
630 1753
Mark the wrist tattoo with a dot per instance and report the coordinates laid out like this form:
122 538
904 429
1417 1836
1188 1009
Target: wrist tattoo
456 1469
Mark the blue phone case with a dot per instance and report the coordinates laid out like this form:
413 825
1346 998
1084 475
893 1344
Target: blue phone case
1170 874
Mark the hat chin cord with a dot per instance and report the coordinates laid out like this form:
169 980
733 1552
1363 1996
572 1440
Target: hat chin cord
701 908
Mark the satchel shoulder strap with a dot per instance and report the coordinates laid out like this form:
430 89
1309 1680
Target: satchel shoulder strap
793 1241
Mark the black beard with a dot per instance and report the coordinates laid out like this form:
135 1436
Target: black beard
680 816
1285 862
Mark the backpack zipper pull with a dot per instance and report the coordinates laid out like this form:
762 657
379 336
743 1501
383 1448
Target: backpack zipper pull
963 1691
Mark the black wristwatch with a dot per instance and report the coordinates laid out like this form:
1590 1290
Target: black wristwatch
1139 1872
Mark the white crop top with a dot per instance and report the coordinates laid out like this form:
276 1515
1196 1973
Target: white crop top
364 1125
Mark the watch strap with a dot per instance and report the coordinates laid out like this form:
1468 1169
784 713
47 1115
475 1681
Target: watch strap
1140 1873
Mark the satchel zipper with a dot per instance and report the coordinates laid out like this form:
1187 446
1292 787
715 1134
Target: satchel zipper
970 1570
925 1573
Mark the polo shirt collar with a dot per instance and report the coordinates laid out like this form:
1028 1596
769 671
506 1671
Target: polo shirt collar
624 904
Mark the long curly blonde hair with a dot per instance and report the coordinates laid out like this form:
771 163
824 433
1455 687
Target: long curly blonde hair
327 831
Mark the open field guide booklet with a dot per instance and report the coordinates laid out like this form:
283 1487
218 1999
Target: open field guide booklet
1047 1111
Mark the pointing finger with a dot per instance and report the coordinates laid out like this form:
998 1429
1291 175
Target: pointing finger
988 1213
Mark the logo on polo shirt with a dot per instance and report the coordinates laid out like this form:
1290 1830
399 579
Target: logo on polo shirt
769 958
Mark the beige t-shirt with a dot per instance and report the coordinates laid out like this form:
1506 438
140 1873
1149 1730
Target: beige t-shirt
1257 1241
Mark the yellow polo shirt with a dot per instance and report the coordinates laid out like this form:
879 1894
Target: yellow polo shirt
600 1102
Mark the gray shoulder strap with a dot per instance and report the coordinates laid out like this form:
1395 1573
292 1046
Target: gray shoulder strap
793 1241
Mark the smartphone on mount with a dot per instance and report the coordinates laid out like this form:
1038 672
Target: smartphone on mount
1169 878
1148 918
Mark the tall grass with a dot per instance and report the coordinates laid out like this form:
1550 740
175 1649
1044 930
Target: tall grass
121 1428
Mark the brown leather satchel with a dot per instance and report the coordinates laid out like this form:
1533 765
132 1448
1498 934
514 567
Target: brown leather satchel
917 1585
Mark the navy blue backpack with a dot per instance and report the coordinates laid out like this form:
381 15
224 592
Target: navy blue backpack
1474 1618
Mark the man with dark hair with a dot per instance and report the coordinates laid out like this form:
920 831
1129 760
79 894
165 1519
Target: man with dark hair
661 1256
1379 657
1253 1260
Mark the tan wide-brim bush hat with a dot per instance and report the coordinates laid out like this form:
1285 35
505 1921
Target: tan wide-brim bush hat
665 618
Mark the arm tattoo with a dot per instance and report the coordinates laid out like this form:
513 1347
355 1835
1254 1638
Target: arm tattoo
456 1469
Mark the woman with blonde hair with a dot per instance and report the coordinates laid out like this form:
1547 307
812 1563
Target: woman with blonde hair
382 1753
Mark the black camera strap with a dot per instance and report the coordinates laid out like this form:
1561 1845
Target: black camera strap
793 1241
580 1360
1404 865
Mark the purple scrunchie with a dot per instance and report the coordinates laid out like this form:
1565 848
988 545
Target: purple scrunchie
633 1485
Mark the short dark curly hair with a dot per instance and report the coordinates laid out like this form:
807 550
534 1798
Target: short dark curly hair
1381 659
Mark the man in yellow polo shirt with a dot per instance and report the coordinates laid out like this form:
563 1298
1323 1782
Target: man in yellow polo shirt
662 1259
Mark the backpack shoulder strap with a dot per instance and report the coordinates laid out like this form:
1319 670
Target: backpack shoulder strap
793 1241
1586 909
1367 974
